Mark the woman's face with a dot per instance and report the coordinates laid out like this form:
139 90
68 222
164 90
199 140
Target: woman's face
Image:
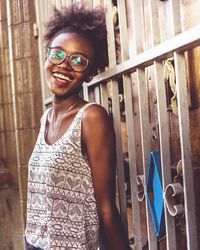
63 79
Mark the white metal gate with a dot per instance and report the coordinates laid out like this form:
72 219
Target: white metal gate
143 49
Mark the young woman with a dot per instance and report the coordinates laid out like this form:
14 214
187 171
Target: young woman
71 181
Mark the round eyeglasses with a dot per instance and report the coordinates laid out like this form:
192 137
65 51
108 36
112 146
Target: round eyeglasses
78 62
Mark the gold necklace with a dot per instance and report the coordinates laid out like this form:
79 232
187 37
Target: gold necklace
61 119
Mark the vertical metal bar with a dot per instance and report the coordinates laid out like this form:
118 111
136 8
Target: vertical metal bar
63 3
96 3
154 20
58 4
116 113
47 10
87 3
175 14
184 128
104 95
130 125
132 160
163 121
53 2
138 27
85 92
123 30
138 47
91 95
97 95
66 2
146 146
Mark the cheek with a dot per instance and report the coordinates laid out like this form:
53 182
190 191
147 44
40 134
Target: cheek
79 77
47 68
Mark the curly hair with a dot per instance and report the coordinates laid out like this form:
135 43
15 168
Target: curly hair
90 23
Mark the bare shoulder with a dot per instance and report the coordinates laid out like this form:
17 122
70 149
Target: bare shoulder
97 128
96 114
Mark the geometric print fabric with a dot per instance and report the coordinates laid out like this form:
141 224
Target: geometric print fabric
61 207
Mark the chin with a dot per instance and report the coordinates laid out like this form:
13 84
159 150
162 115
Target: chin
59 93
57 90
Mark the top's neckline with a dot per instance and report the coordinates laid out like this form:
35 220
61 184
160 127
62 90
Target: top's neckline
66 131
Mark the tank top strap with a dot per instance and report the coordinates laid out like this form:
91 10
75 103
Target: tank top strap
81 111
76 122
44 119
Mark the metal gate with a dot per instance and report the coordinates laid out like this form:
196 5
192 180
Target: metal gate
144 48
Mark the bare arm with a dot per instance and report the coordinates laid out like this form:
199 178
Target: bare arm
99 141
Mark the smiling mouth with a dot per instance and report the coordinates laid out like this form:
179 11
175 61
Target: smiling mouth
62 77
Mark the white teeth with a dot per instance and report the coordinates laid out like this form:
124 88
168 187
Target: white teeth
61 76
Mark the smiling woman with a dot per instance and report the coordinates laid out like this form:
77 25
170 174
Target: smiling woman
72 47
71 181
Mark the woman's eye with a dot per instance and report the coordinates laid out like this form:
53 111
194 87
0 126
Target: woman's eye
76 60
58 55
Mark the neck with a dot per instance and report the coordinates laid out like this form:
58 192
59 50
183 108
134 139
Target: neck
62 104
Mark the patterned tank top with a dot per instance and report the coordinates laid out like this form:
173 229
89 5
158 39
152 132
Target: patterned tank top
61 207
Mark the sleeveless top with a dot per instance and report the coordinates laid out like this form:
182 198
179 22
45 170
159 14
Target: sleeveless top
61 207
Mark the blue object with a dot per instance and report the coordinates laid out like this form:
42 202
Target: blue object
155 193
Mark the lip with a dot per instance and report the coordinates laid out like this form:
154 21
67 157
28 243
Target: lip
59 82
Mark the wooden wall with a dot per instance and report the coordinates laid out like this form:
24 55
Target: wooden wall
20 111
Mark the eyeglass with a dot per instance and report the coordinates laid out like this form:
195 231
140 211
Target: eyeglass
77 61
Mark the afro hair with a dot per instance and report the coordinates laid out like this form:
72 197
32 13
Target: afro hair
90 23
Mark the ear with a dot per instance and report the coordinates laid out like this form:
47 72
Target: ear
89 78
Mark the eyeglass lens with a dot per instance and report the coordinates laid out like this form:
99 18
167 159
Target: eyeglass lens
77 61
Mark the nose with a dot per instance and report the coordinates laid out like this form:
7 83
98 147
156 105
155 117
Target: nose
66 64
